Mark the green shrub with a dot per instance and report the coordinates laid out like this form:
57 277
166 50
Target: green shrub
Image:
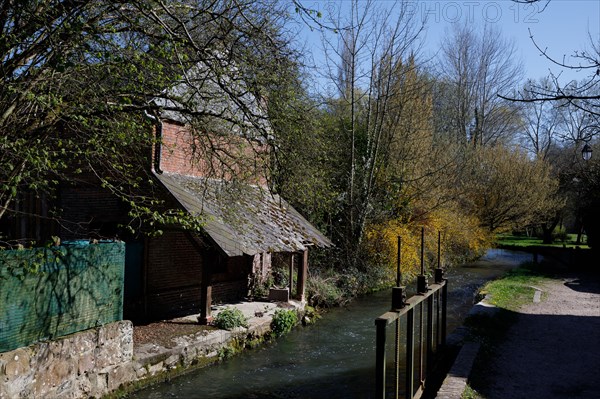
560 234
323 291
283 321
230 318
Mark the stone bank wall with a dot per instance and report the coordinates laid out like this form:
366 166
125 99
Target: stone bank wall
86 364
96 362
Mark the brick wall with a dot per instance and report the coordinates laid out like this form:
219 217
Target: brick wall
90 212
232 283
173 275
212 156
229 291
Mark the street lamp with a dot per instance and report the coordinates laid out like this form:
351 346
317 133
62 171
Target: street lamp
586 152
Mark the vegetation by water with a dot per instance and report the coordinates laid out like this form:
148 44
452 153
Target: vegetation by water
230 318
524 241
516 288
283 321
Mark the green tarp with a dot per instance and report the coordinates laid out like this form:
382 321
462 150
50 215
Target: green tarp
46 293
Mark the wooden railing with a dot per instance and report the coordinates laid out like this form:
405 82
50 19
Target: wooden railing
430 304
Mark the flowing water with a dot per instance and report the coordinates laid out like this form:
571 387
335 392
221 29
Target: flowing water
333 358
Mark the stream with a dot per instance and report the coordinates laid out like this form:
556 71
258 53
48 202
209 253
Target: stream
333 358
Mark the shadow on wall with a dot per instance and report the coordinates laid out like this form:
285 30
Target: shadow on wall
52 292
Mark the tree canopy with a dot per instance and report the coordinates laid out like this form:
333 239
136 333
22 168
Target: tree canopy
82 81
400 144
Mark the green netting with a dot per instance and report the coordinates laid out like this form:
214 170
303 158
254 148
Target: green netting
50 292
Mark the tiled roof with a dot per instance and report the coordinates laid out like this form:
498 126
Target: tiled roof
243 219
221 100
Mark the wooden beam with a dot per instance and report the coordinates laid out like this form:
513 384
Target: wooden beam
302 275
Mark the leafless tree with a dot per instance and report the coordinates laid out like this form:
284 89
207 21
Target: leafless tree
475 66
583 94
367 61
541 125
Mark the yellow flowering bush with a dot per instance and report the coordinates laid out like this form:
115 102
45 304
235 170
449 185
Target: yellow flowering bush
462 239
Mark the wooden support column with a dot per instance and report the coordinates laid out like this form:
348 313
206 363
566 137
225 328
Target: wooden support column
291 282
302 275
206 293
205 311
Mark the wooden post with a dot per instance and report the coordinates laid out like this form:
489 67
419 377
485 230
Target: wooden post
410 353
291 282
397 360
302 274
421 346
205 311
429 338
444 312
380 338
206 292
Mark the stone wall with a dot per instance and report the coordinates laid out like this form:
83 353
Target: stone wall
86 364
96 362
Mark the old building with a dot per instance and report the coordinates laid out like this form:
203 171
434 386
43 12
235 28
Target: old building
218 174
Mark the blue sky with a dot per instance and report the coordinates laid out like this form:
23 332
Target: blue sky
561 27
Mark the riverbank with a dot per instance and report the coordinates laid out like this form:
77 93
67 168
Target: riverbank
545 347
117 358
174 347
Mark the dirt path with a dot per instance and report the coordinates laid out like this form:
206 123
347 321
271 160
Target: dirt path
553 350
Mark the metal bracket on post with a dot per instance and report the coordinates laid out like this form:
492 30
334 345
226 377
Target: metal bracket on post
398 298
439 275
422 285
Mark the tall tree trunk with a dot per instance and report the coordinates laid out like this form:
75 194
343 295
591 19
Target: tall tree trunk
548 228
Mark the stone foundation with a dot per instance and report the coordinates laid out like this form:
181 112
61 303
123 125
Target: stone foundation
96 362
86 364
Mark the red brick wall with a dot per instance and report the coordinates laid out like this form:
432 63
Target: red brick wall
211 156
232 283
90 212
173 276
230 291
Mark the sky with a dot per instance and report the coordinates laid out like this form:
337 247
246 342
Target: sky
560 26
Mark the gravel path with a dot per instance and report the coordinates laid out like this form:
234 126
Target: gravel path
553 350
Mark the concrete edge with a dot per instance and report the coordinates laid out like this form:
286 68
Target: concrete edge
456 381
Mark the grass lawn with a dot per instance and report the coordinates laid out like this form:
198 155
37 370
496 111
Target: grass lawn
515 288
524 241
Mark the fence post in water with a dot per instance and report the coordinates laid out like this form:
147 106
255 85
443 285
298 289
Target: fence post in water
398 298
429 338
410 353
380 325
444 311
